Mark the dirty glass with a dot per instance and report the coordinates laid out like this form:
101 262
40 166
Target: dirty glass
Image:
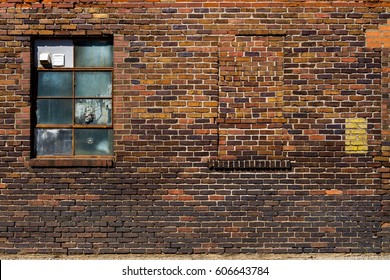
53 142
54 111
93 84
93 111
55 84
93 53
93 141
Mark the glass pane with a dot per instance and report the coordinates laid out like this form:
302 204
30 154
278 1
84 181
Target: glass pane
93 111
55 84
93 53
93 84
53 142
93 141
54 111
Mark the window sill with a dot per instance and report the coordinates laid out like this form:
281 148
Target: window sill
250 164
73 162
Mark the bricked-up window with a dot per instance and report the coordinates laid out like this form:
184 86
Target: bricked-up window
73 97
251 98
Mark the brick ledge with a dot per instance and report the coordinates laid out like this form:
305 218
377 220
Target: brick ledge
249 164
73 162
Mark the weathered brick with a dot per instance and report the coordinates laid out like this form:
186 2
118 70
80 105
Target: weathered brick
239 127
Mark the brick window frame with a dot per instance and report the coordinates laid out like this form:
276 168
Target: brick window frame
73 160
250 134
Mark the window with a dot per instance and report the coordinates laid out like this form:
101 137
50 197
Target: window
73 97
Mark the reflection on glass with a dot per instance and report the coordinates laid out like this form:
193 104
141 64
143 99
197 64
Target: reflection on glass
93 111
94 53
54 111
55 84
93 142
93 84
53 142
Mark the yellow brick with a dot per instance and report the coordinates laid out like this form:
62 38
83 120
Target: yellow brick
178 103
100 16
45 32
356 135
210 115
331 116
164 59
169 110
69 26
357 120
211 104
194 116
162 116
146 116
350 126
359 131
194 104
331 92
139 110
148 82
145 170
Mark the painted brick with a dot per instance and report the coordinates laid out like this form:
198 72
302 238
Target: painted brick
356 135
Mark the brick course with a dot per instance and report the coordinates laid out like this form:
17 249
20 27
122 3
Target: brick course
230 119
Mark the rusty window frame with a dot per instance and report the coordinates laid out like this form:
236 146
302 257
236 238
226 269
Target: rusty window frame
73 126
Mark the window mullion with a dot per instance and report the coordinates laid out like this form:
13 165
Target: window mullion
73 111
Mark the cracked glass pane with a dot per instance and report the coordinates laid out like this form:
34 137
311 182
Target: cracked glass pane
93 111
53 142
93 141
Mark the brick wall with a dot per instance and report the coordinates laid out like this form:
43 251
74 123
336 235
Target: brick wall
239 127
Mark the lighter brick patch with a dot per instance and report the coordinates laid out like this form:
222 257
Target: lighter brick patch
379 38
356 135
100 16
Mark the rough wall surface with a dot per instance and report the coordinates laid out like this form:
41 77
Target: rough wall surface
240 127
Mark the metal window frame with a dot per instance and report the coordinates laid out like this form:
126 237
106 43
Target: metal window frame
72 126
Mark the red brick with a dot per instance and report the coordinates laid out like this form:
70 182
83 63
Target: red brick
229 121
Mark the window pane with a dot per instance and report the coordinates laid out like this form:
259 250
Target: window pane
54 111
55 84
54 142
95 53
93 84
93 141
93 111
